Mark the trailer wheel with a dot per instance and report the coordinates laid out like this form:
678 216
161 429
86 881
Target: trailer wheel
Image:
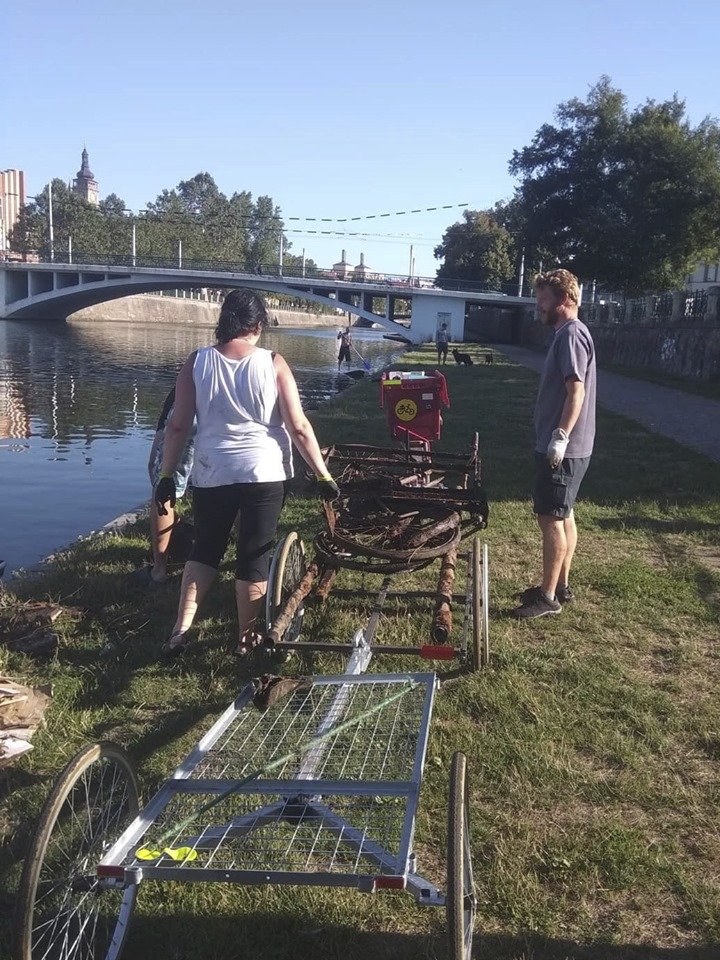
287 570
460 901
62 909
480 605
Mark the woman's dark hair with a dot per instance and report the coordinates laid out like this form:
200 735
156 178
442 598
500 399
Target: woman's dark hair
242 312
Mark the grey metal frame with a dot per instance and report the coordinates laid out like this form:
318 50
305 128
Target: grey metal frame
306 797
313 798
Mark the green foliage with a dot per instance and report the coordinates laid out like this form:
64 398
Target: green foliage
210 225
92 228
628 197
478 249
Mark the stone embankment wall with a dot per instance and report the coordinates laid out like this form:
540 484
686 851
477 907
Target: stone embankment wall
178 310
689 350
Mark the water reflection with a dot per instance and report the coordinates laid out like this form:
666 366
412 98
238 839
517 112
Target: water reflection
78 407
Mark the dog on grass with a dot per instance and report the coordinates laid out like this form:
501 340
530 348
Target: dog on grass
462 358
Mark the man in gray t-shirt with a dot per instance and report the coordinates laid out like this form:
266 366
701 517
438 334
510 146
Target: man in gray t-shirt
564 436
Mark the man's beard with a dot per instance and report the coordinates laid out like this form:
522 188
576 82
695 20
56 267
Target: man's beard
550 317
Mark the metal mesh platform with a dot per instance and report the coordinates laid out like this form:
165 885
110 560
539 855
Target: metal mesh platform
265 833
381 747
334 772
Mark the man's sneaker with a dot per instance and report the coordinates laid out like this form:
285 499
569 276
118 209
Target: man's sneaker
563 594
538 606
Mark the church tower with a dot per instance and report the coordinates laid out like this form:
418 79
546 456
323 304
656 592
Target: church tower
85 184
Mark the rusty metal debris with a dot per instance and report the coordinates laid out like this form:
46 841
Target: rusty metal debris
396 512
442 617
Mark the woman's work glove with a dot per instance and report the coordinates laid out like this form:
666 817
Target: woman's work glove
164 492
327 488
557 447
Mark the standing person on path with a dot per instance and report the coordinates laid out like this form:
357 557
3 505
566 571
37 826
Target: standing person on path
441 342
247 406
345 338
565 434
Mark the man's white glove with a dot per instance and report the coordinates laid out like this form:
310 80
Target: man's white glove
557 447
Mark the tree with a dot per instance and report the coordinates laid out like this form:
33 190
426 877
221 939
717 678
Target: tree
293 265
630 198
112 206
211 226
72 217
265 229
479 249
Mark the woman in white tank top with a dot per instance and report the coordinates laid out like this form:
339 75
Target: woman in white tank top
248 410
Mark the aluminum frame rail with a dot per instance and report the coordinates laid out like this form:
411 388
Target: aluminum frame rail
343 815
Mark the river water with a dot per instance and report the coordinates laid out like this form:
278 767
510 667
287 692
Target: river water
78 408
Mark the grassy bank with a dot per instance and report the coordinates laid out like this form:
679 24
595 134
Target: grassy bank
593 742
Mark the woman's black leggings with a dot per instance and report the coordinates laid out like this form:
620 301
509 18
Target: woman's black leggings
257 507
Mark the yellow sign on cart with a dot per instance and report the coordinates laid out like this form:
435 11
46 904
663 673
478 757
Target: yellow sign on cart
406 410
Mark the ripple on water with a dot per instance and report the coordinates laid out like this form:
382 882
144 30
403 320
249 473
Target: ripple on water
78 408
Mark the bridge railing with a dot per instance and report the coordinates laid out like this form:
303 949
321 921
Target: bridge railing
395 283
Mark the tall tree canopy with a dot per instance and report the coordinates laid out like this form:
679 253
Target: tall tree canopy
478 248
210 225
628 197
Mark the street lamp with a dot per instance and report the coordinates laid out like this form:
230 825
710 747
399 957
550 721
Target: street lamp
50 223
2 228
521 277
51 234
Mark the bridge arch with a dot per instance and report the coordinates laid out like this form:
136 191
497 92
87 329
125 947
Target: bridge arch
53 291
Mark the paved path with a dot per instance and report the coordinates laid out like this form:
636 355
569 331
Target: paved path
691 420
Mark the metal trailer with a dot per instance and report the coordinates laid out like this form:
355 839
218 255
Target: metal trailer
292 581
321 789
395 514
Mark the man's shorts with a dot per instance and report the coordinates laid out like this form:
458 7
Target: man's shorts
556 490
344 355
182 471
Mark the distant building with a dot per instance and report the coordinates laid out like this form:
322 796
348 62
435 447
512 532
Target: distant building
361 271
85 185
342 270
12 199
703 276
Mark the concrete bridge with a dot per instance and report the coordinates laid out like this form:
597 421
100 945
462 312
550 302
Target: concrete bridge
53 291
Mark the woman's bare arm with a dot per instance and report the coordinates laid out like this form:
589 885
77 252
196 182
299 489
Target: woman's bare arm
296 423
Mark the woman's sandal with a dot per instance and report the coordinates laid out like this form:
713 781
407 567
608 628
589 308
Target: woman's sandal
176 644
248 644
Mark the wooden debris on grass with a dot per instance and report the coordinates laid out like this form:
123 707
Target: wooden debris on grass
21 713
25 626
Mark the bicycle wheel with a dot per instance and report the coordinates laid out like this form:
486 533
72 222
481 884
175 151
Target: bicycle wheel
63 910
287 570
477 640
485 597
460 901
480 605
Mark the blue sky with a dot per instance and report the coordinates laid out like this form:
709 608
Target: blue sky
335 110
